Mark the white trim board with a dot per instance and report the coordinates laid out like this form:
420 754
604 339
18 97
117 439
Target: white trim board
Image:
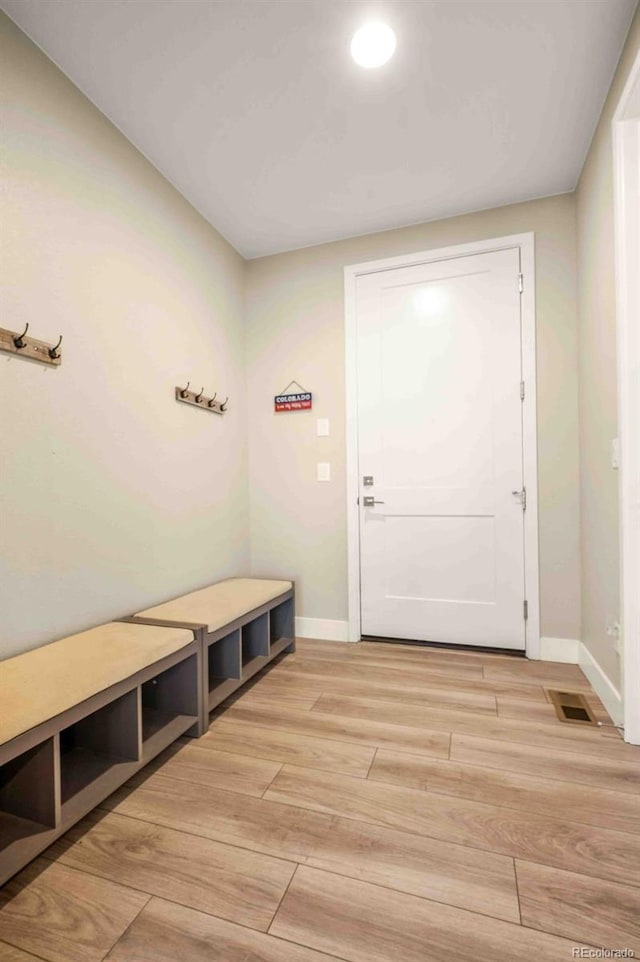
566 650
572 651
626 172
525 242
325 629
604 689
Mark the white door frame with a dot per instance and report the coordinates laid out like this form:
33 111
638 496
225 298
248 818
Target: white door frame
530 459
626 172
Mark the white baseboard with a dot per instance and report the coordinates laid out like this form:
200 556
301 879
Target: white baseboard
604 689
324 628
566 650
571 651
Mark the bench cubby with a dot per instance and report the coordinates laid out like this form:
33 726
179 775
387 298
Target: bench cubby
95 752
169 706
224 667
281 623
255 642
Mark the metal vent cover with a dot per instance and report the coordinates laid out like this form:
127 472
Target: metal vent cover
572 707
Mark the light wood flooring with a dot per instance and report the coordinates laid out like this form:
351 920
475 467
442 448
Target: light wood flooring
370 803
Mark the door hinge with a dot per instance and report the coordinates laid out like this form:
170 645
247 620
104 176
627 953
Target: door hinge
522 495
521 282
525 608
522 390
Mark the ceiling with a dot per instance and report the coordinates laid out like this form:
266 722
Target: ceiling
255 111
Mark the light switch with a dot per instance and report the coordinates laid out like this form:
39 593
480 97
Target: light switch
324 471
322 427
615 453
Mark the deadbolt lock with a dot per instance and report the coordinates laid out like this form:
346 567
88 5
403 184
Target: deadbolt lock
367 480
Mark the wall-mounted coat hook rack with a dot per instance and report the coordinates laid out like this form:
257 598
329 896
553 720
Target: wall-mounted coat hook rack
200 401
13 342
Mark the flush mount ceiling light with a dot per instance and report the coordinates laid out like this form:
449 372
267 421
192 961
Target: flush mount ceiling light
373 44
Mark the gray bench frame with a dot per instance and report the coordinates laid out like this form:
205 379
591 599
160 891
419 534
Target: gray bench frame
269 630
47 783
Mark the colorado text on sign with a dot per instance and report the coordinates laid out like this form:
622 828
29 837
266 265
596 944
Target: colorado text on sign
293 402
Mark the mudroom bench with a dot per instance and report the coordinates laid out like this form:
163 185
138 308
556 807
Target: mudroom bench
245 623
79 716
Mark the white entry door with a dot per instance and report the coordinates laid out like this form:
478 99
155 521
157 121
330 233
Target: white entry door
440 451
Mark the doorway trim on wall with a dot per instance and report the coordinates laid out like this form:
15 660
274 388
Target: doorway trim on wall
526 245
626 174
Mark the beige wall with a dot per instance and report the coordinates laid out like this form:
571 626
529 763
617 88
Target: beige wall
295 329
113 495
598 380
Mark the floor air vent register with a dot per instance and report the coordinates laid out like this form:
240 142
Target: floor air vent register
571 707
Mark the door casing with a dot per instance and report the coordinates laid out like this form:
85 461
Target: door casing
526 245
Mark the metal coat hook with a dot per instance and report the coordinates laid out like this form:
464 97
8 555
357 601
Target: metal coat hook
200 400
53 351
19 341
30 348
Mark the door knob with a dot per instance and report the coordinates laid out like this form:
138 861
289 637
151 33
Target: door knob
369 501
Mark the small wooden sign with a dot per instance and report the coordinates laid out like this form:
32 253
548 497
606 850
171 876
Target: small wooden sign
293 402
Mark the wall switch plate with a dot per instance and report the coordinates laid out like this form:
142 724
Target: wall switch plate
324 471
322 427
615 453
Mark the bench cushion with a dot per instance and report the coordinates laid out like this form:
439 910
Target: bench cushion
218 605
42 683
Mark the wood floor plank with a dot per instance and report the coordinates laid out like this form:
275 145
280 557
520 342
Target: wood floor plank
9 953
580 908
315 668
618 811
230 882
225 735
366 923
318 647
449 670
190 762
261 696
517 708
551 674
171 933
452 874
63 915
530 837
352 730
555 736
390 654
620 775
251 823
271 687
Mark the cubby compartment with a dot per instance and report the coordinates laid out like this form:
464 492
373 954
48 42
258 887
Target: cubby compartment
255 642
97 752
169 706
281 627
225 667
28 795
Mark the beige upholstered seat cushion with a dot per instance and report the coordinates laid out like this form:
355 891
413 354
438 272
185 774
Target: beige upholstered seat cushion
220 604
42 683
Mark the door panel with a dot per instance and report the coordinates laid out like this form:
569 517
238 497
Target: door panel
440 431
